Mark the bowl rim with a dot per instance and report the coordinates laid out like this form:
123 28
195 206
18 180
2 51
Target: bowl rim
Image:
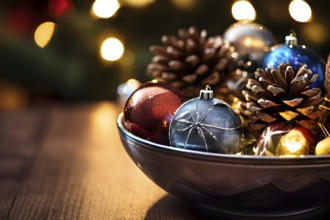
217 157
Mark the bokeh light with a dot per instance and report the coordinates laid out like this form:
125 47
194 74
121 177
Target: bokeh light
12 97
243 10
124 90
315 32
128 58
300 11
184 4
138 3
105 8
44 33
57 8
101 120
112 49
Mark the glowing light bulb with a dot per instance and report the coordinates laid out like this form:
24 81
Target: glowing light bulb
243 10
44 33
300 11
105 8
112 49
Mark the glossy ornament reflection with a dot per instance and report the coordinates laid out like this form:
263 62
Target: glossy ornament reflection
296 55
285 139
149 109
293 143
206 124
251 41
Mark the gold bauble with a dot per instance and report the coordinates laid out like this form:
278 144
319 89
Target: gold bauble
292 144
323 147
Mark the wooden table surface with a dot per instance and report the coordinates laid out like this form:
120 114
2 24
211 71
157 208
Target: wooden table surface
66 161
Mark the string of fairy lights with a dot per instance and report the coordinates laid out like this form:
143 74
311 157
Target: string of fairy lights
112 48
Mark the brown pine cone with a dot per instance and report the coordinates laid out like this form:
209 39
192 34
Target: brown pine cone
191 61
327 77
281 95
233 84
326 114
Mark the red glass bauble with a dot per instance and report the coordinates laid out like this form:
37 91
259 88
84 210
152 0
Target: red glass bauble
148 111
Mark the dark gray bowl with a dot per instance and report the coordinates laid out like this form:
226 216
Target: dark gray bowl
232 184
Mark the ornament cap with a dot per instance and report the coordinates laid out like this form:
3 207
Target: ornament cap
291 40
206 94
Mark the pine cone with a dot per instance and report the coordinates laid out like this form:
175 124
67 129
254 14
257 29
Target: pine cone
191 61
281 95
326 114
327 77
233 84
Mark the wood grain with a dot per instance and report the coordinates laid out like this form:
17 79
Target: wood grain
67 162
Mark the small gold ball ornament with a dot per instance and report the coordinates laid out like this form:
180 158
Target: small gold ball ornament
323 147
292 144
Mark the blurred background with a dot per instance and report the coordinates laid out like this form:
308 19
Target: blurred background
81 50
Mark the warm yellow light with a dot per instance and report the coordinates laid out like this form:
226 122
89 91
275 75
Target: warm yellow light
300 11
294 146
112 49
243 10
138 3
315 32
128 58
184 4
101 121
44 33
105 8
133 83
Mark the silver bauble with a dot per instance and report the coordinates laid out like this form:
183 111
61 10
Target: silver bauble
251 41
206 124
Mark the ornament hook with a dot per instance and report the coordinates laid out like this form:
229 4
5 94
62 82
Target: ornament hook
291 40
206 94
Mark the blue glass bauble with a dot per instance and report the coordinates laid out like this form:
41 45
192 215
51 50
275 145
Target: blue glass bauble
296 55
206 124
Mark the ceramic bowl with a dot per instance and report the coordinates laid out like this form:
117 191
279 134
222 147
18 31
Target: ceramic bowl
234 184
